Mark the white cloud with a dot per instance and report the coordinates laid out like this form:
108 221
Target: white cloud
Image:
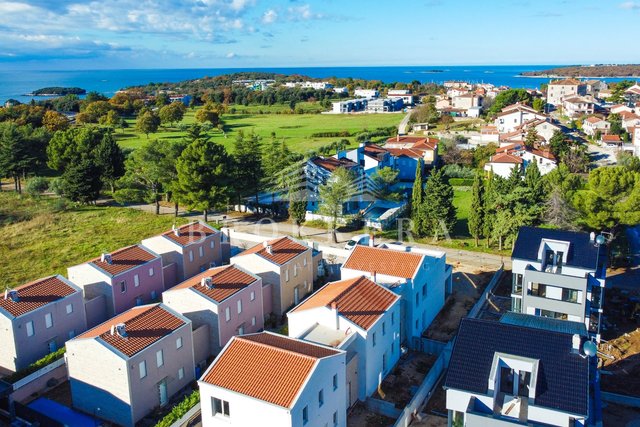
303 13
630 5
231 55
14 7
269 16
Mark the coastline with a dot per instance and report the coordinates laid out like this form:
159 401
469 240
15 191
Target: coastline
559 76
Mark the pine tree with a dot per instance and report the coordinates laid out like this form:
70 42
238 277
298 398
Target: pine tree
476 214
531 139
418 192
515 178
247 166
488 208
298 212
533 181
439 211
110 159
81 181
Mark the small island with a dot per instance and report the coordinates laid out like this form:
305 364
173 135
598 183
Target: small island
592 71
57 91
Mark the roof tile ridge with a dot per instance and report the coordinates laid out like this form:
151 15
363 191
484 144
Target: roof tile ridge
280 349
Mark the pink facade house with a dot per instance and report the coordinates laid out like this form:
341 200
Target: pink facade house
193 248
123 369
37 318
115 282
227 299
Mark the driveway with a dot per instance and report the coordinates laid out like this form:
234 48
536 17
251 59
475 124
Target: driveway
602 156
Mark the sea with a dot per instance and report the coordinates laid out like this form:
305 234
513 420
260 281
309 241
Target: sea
15 84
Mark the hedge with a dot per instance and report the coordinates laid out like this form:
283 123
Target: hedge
342 133
180 409
35 366
461 182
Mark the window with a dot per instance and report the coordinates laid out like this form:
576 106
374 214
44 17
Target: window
159 358
191 256
150 271
241 330
253 321
136 280
142 368
179 342
30 330
201 251
424 290
335 382
180 373
213 244
69 308
570 295
384 328
48 320
304 262
305 415
227 314
286 275
373 339
253 295
321 398
123 287
335 419
295 270
219 407
239 306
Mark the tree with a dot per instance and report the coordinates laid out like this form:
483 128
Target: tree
533 182
247 166
172 113
476 214
482 154
55 121
110 160
204 176
298 212
538 104
94 110
111 119
209 114
81 181
147 122
69 146
417 192
384 179
577 159
162 99
558 144
558 211
439 211
22 151
446 120
338 190
616 124
531 139
509 97
490 195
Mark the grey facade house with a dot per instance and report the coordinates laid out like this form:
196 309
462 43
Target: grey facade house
559 274
505 374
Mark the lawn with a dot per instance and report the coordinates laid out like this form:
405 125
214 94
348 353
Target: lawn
295 129
40 239
462 202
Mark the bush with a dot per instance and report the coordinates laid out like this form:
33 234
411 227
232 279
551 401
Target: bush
457 171
180 409
56 185
36 186
129 195
35 366
316 223
337 134
461 182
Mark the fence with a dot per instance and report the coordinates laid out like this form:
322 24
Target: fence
433 346
37 374
485 295
186 419
621 399
426 387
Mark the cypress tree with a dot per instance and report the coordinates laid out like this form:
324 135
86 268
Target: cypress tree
438 205
476 215
417 197
489 212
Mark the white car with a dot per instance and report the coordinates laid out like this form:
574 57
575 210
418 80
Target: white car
361 239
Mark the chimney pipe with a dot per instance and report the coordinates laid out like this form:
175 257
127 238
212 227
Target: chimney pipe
334 310
371 242
374 277
269 250
397 137
175 230
575 343
592 237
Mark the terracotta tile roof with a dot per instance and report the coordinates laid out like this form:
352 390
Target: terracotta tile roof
125 259
413 142
360 300
374 151
190 233
566 82
225 281
34 295
627 115
594 119
611 138
266 367
506 158
575 99
408 152
383 261
144 326
331 163
283 250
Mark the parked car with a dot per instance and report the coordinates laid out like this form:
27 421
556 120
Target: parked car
360 239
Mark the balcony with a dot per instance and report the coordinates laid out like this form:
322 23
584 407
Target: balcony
478 414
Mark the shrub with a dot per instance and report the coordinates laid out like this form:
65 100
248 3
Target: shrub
180 409
35 366
129 195
36 186
457 171
316 223
337 134
56 185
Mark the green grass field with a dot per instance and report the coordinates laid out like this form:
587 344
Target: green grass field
295 129
40 240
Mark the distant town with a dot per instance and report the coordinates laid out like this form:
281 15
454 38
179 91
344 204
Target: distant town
268 249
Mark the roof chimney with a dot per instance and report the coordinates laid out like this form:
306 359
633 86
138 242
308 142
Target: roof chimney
206 282
398 137
6 293
13 295
269 249
374 276
371 241
106 258
592 237
334 310
113 329
575 343
175 230
265 244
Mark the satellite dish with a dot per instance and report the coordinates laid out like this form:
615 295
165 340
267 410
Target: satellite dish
590 348
600 239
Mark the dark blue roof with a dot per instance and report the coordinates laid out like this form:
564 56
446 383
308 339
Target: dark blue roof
582 252
563 377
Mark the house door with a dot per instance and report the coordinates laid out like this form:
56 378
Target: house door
53 346
162 389
296 296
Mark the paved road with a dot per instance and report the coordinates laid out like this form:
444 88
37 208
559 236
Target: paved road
602 156
402 127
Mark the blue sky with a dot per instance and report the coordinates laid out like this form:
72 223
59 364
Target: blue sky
74 34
